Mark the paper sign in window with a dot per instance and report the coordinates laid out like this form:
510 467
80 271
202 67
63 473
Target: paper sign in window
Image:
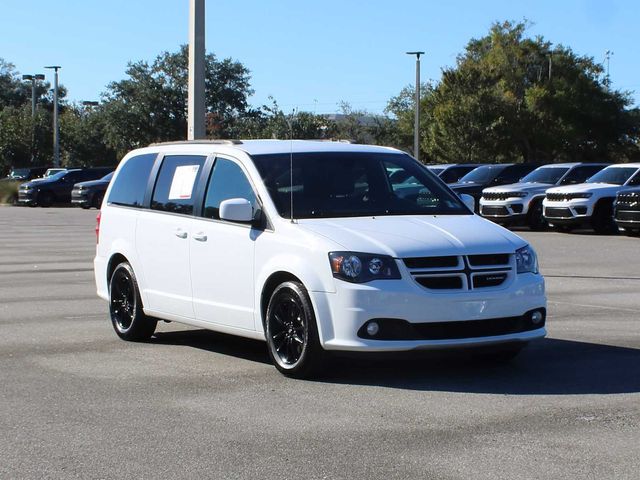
182 183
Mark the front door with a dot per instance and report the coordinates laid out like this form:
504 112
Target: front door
222 253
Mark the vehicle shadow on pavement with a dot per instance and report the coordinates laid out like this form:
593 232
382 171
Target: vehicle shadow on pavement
244 348
546 367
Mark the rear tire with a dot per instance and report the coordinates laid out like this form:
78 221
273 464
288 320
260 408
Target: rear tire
125 306
292 333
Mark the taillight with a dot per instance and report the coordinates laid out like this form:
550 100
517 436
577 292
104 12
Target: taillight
98 227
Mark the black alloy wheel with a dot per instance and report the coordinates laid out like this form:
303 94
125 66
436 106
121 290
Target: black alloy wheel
291 332
125 306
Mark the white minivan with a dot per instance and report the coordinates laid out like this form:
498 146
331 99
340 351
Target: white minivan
312 247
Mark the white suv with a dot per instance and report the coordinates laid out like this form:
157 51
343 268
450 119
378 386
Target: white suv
311 246
590 203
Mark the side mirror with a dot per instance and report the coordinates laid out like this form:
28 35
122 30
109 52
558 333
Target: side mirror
469 201
236 210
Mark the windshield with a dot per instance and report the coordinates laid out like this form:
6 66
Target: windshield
19 173
613 175
354 184
57 176
436 170
483 174
52 171
551 175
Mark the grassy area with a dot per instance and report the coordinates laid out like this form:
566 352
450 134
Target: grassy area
9 191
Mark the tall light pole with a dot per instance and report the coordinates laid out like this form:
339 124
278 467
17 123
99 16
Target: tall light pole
56 128
33 79
607 57
196 105
416 127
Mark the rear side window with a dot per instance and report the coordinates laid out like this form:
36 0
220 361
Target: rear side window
227 181
175 187
131 183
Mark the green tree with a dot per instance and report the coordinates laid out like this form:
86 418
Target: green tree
151 104
82 132
514 98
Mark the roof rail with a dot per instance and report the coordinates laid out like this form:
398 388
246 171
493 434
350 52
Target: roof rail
198 142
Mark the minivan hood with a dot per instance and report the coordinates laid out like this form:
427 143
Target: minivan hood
416 236
528 187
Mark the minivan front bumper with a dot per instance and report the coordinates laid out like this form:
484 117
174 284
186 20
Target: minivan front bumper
343 315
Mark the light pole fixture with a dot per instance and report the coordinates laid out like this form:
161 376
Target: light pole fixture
416 127
33 79
90 103
56 128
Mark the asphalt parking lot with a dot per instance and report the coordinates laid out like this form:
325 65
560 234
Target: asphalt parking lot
77 402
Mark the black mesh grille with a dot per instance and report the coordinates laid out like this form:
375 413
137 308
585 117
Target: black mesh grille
625 216
555 212
431 262
488 260
494 210
440 283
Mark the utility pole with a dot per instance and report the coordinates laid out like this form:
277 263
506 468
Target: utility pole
416 122
607 79
56 127
196 106
33 79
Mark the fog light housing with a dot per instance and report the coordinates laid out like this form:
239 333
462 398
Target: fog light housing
536 317
372 329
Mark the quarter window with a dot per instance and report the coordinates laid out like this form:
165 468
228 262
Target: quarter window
175 187
227 181
130 185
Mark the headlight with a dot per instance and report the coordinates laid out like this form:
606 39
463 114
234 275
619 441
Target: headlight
580 195
362 267
526 260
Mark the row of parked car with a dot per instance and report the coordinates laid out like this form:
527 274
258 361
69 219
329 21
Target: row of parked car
564 195
41 186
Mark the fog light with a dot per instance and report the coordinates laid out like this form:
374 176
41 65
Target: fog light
536 317
373 328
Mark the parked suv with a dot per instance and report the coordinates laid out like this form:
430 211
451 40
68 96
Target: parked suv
490 175
90 194
522 202
311 247
57 188
453 172
590 203
24 173
627 210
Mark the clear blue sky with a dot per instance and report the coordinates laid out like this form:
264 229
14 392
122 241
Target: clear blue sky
309 55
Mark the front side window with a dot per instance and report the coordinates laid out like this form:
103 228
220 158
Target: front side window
175 186
130 185
351 184
227 181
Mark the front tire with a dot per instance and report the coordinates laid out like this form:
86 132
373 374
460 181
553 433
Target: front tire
125 306
291 332
602 219
535 218
45 199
